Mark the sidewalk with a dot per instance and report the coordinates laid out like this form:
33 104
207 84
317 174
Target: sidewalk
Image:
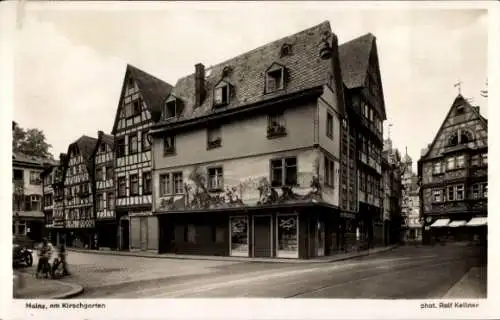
26 286
143 254
471 286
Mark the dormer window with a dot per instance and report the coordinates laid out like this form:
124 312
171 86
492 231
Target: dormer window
222 94
275 78
172 108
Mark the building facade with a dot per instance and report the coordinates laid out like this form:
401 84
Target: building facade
454 177
365 116
47 177
105 217
27 209
391 169
291 189
141 92
56 229
78 201
411 201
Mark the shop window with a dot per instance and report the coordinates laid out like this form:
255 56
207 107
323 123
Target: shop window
218 234
287 237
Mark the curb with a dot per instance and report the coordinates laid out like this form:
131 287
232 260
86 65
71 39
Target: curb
76 289
250 260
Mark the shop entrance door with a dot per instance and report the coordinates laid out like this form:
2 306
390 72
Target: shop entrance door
320 238
262 230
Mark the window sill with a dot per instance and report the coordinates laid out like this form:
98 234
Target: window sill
214 146
169 153
275 135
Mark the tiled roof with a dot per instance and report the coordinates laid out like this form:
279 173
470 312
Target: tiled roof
354 58
86 146
154 91
304 67
19 157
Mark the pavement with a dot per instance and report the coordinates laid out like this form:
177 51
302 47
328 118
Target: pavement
471 286
406 272
146 254
28 287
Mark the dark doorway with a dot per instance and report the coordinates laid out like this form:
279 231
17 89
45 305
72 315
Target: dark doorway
125 225
262 236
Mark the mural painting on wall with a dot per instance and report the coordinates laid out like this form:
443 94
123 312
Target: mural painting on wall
254 191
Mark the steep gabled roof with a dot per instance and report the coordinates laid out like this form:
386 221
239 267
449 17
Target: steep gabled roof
103 138
20 158
354 60
85 145
153 90
459 100
304 68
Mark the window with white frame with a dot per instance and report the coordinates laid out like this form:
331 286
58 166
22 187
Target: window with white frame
215 179
459 192
450 163
214 137
475 191
122 187
329 125
484 190
222 94
475 160
35 178
134 184
178 182
437 167
437 195
284 172
451 193
276 124
168 145
165 184
275 79
460 161
329 172
35 203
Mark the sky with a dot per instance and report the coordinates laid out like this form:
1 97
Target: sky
70 61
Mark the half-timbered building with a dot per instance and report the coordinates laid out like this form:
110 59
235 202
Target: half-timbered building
105 218
57 227
78 193
141 92
362 138
453 173
48 177
256 156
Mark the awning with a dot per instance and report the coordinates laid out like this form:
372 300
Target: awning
440 223
457 223
476 222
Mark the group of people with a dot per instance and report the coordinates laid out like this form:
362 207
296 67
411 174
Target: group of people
45 250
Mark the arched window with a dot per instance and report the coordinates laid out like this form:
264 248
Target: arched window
465 136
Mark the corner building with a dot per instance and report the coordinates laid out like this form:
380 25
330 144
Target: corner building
247 155
454 177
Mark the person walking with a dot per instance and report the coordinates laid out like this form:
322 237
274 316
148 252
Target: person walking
44 254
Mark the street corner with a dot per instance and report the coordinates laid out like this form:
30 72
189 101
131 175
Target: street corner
26 286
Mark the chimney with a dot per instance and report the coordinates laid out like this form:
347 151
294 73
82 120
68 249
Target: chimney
100 134
199 84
